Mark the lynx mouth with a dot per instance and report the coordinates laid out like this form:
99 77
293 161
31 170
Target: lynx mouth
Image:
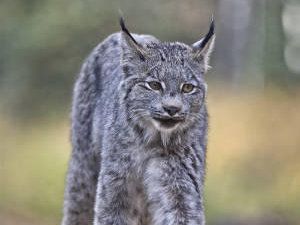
168 122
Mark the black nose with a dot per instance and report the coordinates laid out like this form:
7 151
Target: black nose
171 110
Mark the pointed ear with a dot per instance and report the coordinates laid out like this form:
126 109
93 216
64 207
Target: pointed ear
131 49
203 48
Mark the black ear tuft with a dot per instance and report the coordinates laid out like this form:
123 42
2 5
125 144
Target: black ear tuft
125 30
210 33
203 48
131 48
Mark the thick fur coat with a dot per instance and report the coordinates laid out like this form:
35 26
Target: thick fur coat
139 127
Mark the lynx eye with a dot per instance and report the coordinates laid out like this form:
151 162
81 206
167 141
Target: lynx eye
187 88
154 85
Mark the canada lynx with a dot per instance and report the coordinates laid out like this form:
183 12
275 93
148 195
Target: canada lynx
139 126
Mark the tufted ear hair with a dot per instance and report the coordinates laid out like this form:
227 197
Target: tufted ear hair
131 49
202 49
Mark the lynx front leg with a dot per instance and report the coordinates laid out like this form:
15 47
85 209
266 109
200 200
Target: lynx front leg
112 199
173 192
81 188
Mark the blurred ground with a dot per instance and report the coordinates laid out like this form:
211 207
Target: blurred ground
253 162
12 219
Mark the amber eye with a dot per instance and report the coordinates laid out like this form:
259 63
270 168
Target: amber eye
187 88
154 85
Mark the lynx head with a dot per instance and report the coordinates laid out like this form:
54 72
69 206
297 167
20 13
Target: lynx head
163 81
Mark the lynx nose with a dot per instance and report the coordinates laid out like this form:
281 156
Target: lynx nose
172 110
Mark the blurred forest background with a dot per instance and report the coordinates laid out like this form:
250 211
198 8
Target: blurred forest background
254 100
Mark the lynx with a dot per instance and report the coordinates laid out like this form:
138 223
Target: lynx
139 130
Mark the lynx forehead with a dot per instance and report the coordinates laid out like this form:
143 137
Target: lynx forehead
139 127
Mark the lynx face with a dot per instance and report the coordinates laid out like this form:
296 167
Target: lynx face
168 91
164 82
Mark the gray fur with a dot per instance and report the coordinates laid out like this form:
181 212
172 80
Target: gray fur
125 167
